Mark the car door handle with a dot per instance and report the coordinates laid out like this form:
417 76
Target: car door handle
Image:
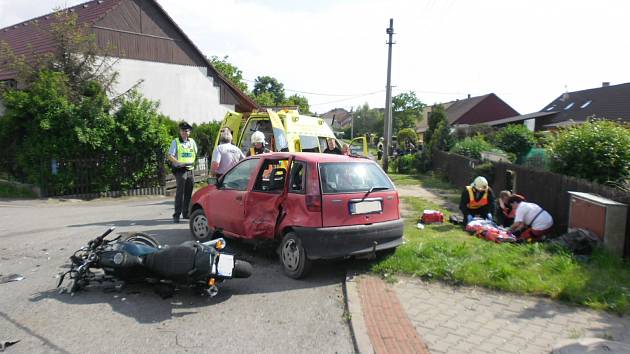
239 197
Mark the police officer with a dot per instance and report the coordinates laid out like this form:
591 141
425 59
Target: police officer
182 155
258 144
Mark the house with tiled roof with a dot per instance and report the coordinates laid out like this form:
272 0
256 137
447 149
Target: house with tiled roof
608 102
338 118
470 111
149 48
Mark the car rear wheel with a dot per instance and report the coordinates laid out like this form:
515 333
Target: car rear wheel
199 225
293 257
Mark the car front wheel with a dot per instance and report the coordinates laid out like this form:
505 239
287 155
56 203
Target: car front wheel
293 257
199 225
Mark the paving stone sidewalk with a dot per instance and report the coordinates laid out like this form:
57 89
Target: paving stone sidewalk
460 319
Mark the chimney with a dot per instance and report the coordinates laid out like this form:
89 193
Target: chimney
468 95
605 84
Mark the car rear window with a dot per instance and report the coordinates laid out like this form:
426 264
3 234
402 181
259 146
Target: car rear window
351 177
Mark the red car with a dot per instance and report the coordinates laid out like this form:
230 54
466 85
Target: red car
317 206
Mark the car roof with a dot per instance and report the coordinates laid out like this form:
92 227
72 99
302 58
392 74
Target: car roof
315 157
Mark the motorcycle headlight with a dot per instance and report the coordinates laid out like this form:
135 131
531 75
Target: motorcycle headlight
220 244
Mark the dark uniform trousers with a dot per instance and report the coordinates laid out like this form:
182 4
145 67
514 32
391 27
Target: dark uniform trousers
185 180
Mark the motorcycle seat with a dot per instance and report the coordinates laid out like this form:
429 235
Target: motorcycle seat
172 262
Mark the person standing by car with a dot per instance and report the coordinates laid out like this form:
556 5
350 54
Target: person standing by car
331 147
258 144
477 200
182 155
225 155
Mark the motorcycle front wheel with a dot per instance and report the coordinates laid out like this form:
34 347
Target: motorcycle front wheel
140 238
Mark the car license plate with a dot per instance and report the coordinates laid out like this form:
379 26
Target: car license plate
366 207
226 265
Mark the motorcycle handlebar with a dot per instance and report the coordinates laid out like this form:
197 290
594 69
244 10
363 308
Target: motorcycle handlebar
109 231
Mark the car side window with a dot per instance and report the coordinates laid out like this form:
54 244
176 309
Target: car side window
271 176
297 180
238 177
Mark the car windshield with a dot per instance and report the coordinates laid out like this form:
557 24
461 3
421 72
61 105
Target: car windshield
352 177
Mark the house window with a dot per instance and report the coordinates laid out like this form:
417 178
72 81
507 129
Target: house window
586 104
569 106
550 108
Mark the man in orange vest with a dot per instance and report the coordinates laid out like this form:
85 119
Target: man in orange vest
477 200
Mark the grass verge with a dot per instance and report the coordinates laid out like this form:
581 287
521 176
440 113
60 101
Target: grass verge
446 252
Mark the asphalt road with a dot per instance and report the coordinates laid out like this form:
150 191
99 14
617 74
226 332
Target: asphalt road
266 313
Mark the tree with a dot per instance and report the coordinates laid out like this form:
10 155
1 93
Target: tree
300 101
76 54
406 110
268 84
229 71
367 120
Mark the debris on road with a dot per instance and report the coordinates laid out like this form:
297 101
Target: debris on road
10 278
5 344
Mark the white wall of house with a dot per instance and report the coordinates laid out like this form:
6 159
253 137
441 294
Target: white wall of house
530 124
185 92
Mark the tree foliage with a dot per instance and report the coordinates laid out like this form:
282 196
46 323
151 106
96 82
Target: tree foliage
407 135
229 71
597 150
271 86
437 136
406 111
367 120
515 139
75 53
125 146
300 101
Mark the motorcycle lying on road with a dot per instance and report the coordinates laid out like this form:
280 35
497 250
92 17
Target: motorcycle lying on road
138 257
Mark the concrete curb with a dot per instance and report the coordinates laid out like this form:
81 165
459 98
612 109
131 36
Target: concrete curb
357 322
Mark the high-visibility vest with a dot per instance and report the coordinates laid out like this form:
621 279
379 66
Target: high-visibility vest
187 155
476 204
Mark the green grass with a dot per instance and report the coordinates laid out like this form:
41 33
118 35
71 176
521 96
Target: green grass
9 190
446 252
428 180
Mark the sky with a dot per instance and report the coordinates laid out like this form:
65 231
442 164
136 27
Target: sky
335 53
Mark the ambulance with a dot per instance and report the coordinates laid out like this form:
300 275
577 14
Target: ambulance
286 130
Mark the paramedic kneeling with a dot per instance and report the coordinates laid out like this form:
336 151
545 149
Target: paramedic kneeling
477 200
530 220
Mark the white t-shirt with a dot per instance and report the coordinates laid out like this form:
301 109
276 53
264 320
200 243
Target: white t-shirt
226 155
526 212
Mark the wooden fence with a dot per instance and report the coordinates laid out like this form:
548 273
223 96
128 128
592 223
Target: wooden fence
547 189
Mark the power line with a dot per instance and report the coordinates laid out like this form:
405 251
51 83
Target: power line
347 99
321 94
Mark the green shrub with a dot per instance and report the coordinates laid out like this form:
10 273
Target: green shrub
516 139
407 135
472 147
598 150
406 163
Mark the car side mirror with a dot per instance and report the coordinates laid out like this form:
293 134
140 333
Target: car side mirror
213 181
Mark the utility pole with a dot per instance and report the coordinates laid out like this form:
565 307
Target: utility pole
388 99
352 128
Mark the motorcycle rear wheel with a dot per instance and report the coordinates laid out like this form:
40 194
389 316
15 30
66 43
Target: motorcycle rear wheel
140 238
